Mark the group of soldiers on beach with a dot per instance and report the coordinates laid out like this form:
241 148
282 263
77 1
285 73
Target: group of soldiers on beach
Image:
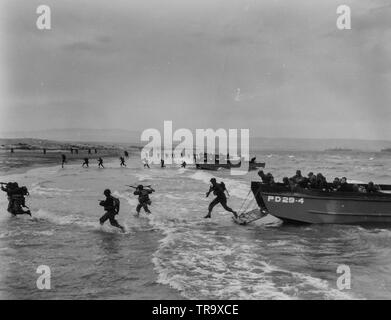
86 162
17 203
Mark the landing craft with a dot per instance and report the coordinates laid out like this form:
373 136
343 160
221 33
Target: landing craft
216 166
318 206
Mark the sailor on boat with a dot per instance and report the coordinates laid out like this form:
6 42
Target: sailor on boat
266 178
371 188
297 178
344 186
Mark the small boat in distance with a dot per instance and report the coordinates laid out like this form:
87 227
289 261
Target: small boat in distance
338 150
216 166
318 206
386 150
255 165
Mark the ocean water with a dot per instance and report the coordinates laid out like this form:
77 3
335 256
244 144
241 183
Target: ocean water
176 254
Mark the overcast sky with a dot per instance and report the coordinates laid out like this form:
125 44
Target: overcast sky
280 68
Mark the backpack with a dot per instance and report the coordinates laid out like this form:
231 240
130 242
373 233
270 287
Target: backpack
116 203
222 184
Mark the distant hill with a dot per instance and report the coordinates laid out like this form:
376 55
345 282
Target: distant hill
127 137
39 144
77 134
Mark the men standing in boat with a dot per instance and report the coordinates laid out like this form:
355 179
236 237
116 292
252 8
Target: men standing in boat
336 183
266 178
322 182
297 178
344 186
218 190
371 188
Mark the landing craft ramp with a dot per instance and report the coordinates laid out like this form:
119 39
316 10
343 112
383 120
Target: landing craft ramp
247 213
250 216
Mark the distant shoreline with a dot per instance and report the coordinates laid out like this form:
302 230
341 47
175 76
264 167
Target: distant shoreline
19 155
34 153
24 161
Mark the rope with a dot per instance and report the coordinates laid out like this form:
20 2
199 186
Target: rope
241 209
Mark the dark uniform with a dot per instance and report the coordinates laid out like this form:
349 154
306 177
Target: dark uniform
336 184
297 178
64 160
344 186
122 164
86 162
16 198
218 190
100 163
371 188
322 182
143 198
266 178
111 206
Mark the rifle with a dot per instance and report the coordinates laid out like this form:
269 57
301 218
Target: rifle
149 186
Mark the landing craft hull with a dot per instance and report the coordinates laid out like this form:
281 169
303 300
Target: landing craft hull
216 166
304 206
213 166
256 165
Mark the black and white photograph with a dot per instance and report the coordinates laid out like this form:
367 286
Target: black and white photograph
195 150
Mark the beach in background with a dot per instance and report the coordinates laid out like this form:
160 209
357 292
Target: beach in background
19 154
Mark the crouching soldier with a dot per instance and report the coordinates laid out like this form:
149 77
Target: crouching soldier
16 198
